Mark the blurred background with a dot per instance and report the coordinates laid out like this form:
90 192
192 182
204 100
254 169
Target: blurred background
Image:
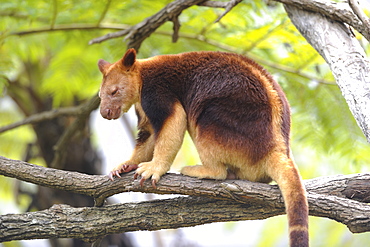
47 63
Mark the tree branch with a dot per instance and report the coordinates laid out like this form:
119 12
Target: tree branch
355 6
336 11
346 58
78 124
47 115
258 59
89 224
176 28
341 198
214 4
71 27
39 117
105 11
138 33
230 5
55 13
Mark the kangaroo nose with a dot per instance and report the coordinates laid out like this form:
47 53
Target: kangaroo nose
109 114
106 113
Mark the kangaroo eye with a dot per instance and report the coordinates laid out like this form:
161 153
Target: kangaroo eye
114 92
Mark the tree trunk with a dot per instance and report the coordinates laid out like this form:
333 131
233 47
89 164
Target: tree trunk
76 152
346 58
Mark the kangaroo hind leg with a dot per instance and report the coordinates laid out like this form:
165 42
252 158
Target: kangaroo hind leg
212 167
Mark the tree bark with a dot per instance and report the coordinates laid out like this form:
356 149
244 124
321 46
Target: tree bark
341 198
89 224
346 58
338 11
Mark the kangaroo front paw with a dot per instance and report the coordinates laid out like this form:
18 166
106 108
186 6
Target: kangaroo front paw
123 168
150 170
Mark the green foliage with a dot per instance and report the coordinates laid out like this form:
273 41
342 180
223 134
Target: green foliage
61 65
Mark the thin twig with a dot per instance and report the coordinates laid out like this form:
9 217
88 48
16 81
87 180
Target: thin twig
268 34
230 5
105 11
78 124
258 59
355 6
43 116
55 13
47 115
71 27
176 29
109 36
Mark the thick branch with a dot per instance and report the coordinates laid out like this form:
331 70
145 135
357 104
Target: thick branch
346 58
331 197
63 221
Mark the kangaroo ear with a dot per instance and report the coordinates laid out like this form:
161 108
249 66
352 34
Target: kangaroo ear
129 58
103 65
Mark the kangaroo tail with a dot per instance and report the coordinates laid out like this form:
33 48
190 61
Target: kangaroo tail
284 171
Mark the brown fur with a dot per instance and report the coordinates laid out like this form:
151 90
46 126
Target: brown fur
236 114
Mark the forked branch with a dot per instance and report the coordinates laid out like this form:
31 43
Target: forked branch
138 33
